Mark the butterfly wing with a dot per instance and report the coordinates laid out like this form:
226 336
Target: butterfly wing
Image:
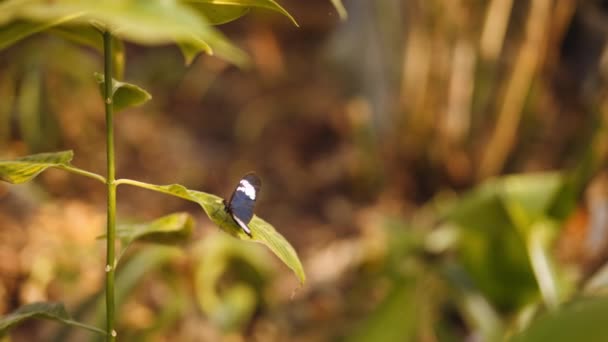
242 201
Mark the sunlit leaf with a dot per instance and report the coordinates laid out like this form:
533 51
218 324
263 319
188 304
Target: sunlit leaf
15 31
581 320
24 169
171 229
42 310
529 197
125 95
266 4
261 231
219 14
144 22
87 35
192 48
212 44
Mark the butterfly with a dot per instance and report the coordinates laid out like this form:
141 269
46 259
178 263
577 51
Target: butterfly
242 201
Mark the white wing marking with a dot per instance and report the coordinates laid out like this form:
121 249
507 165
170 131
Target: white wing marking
242 225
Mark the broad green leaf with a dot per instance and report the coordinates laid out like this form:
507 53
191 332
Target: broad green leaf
498 220
9 9
24 169
261 231
581 320
230 304
491 249
87 35
42 310
170 229
144 22
15 31
529 197
395 319
124 95
219 14
266 4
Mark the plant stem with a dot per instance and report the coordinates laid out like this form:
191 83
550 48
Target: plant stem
110 178
153 187
83 173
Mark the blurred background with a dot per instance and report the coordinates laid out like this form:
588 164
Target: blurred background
383 142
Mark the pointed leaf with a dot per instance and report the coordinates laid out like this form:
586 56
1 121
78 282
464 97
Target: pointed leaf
261 231
42 310
192 48
170 229
24 169
125 95
266 4
211 44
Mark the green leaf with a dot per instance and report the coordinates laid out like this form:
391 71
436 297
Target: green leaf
15 31
219 14
499 244
124 95
88 36
212 44
24 169
261 231
581 320
394 319
171 229
230 305
266 4
192 48
144 22
42 310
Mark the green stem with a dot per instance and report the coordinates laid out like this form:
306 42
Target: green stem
82 172
157 188
110 178
85 326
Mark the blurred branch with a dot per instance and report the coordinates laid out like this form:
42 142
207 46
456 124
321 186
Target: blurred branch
518 87
340 9
494 29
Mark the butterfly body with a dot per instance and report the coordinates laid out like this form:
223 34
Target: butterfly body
242 201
